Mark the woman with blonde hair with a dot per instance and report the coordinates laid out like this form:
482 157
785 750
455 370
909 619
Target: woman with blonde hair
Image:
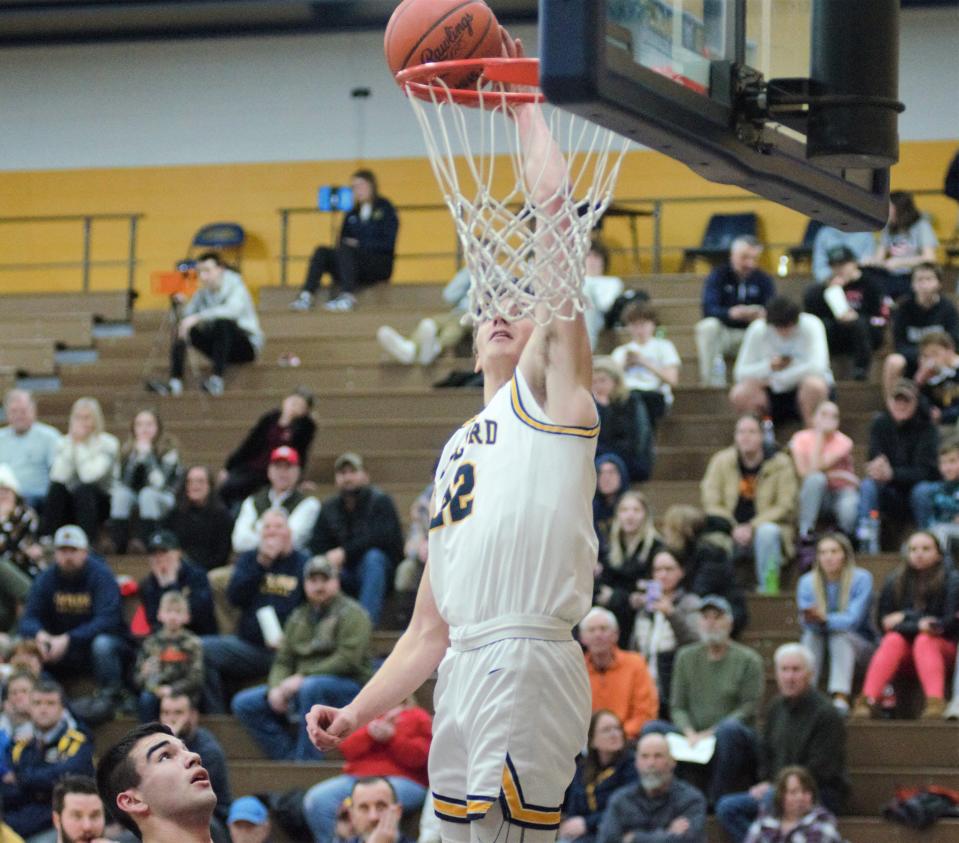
624 425
147 476
626 564
82 473
834 601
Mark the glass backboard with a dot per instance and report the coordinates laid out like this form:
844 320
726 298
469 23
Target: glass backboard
726 85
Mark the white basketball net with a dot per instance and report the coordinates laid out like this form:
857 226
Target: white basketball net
522 262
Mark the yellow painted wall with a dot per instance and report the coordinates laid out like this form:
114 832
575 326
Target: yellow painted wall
175 201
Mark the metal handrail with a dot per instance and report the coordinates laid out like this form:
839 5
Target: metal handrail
655 207
85 263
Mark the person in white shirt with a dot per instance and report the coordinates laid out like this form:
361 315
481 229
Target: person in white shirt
219 321
650 363
282 493
782 369
601 290
28 446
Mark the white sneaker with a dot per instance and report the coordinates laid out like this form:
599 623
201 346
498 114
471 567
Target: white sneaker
395 345
176 386
213 385
425 338
952 710
343 303
303 302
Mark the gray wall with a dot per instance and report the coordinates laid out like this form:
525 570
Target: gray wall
288 98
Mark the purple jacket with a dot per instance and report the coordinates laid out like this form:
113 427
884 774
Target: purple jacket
818 826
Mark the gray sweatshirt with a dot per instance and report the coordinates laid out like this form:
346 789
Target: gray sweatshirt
231 301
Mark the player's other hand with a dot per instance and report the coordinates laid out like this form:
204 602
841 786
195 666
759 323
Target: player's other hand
327 726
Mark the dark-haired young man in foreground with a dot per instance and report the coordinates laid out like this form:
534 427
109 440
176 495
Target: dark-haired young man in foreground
155 787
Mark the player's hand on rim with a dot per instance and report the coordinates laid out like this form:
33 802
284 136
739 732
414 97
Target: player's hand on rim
327 726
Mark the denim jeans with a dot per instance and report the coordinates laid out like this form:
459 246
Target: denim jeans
274 733
109 653
733 763
323 800
366 581
736 812
228 656
889 499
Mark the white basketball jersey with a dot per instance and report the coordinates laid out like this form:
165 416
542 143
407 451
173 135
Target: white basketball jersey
512 525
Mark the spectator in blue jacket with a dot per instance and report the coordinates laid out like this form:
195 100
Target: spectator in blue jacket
271 576
57 748
607 766
734 295
834 601
73 612
169 571
364 253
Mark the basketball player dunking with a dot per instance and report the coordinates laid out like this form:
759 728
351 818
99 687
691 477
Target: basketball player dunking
511 551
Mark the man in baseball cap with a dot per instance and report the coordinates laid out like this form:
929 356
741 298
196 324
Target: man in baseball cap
249 821
283 474
73 612
716 688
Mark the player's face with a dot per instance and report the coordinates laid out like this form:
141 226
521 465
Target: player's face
81 820
46 709
499 339
792 675
172 781
370 802
831 557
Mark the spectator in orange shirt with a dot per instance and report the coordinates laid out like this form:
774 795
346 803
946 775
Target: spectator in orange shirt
394 747
619 678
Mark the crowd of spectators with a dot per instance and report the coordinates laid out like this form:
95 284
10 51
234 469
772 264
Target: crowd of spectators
261 599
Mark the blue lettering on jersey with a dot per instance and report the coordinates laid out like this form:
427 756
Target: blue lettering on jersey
458 499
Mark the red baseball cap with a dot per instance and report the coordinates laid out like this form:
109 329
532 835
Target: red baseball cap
285 454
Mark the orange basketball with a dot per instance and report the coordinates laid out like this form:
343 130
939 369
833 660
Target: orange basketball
423 31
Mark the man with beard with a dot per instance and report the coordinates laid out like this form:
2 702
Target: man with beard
73 612
658 804
156 788
715 692
78 814
358 530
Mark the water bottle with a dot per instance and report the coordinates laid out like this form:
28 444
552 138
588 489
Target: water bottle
769 433
873 545
771 575
783 269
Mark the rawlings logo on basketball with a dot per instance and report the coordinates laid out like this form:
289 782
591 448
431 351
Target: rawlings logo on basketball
454 36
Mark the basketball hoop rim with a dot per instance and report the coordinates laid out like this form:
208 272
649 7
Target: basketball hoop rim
423 81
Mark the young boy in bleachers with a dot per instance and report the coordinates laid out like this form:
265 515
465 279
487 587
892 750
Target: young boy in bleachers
937 502
650 363
171 660
938 376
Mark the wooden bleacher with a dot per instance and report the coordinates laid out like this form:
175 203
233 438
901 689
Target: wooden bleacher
391 415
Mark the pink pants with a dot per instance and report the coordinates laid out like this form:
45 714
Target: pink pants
929 655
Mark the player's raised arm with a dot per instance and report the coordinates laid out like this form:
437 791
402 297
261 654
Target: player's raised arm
412 661
557 361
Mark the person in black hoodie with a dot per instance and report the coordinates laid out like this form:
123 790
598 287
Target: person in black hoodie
854 320
290 425
200 521
364 253
359 531
624 426
612 479
922 312
903 452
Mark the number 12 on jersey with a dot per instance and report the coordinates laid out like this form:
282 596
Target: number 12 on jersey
458 499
